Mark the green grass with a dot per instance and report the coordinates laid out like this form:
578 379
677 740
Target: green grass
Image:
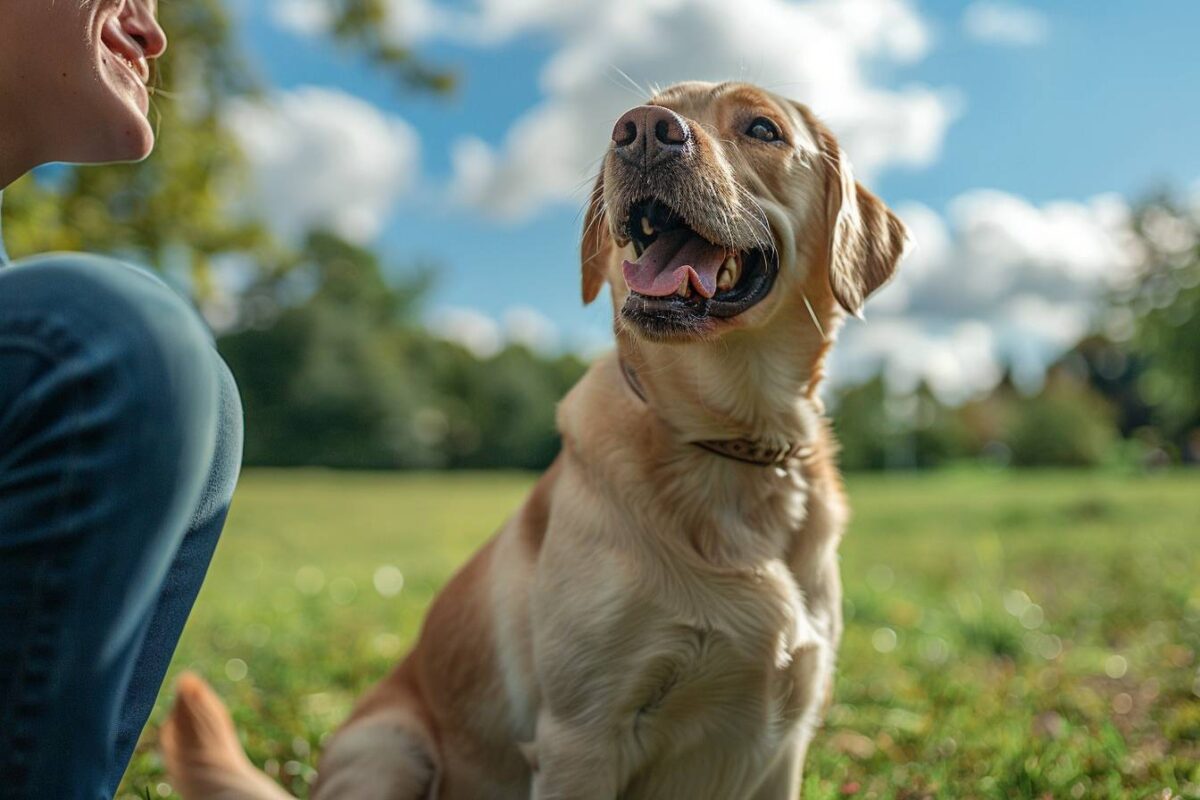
1009 635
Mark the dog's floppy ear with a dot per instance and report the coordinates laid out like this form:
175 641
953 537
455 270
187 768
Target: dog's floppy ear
593 248
866 240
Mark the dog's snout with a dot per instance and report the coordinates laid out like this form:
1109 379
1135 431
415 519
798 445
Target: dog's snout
647 135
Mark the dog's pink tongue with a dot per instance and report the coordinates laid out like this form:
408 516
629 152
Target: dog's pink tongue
674 257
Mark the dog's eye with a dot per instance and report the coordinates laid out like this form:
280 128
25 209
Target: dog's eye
763 129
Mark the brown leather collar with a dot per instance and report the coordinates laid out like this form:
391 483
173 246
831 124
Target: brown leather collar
748 451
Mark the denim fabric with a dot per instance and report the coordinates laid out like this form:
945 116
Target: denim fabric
120 441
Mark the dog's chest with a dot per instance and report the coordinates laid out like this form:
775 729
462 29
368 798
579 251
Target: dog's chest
699 657
726 652
683 658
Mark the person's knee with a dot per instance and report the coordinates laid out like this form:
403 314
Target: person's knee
139 353
103 297
227 454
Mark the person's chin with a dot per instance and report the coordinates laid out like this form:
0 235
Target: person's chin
129 137
139 141
130 134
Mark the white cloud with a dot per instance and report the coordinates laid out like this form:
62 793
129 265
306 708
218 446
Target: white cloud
1005 23
484 336
324 158
816 51
1000 283
473 329
527 326
305 17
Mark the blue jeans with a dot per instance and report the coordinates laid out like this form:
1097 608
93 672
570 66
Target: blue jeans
120 441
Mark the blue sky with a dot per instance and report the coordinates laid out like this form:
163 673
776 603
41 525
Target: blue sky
1100 106
1051 105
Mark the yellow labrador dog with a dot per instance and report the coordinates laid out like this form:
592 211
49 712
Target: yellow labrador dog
660 619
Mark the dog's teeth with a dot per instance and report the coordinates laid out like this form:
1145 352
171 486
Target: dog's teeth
685 289
732 266
647 228
724 280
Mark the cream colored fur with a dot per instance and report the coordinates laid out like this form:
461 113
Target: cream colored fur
656 621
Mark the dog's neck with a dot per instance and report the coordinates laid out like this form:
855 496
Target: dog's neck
645 450
760 386
753 393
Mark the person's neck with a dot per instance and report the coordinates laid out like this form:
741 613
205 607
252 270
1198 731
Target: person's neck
18 146
17 154
3 252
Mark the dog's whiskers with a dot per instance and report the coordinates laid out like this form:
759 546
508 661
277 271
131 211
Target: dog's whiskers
816 321
642 91
757 219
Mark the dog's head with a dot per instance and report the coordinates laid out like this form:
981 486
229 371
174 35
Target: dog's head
721 207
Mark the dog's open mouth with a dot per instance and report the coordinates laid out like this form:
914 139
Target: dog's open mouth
680 278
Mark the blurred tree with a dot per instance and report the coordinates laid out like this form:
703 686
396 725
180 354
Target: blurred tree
1138 377
336 370
501 410
1113 371
878 430
1066 425
323 379
984 420
1145 359
368 26
862 425
1164 306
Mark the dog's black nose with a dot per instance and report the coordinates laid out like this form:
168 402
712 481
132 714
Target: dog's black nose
648 135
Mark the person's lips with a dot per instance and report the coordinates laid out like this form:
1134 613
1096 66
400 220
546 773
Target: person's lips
125 49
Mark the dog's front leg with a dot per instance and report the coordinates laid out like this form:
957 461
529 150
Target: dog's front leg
573 761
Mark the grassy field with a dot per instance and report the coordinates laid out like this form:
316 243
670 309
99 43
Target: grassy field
1009 635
